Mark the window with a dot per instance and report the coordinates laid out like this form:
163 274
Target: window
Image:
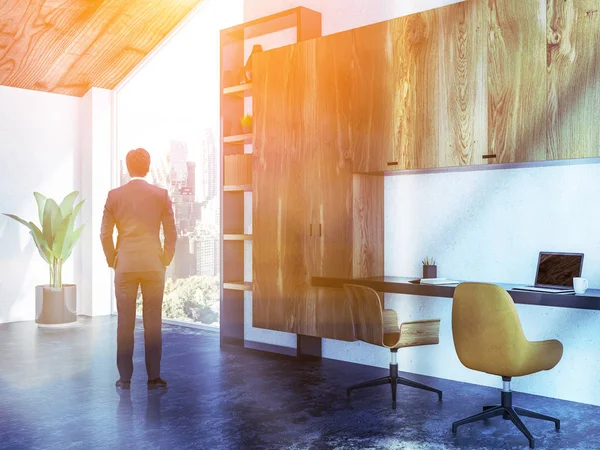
170 107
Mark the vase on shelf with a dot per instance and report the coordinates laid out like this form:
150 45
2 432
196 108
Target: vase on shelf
247 71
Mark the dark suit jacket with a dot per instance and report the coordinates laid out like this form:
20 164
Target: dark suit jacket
137 209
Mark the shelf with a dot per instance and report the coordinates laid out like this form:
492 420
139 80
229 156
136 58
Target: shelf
238 285
242 90
306 20
245 188
237 237
239 139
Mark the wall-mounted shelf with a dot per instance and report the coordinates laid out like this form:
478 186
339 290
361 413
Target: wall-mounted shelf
243 90
238 285
237 237
239 139
245 188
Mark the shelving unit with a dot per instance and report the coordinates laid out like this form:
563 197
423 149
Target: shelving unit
237 237
239 139
238 188
238 285
243 90
234 233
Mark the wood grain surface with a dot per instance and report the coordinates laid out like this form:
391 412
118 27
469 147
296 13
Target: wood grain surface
419 332
463 93
69 46
573 100
368 244
415 74
304 191
280 205
516 80
369 93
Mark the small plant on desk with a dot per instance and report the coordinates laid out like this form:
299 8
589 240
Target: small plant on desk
429 268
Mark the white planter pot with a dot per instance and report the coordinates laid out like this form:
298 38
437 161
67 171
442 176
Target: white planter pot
55 306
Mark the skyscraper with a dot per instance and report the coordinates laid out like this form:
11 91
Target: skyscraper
210 178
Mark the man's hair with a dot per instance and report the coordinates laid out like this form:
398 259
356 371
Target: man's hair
138 162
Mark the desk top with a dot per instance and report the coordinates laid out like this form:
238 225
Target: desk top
402 285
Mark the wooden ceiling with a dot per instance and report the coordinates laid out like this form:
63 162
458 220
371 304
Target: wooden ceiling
69 46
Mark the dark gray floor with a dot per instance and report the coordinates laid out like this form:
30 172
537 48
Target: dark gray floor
57 392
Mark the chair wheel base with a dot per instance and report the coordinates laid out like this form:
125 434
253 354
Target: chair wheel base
509 413
393 380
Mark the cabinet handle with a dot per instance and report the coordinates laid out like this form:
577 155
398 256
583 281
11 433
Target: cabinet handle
320 230
394 163
311 229
488 156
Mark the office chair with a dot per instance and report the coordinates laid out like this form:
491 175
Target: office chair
378 326
488 338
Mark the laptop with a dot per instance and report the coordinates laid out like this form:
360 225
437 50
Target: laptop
555 273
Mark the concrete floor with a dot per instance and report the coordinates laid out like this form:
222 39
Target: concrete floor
57 392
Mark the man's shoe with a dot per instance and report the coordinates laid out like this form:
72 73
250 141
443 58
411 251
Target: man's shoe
157 383
121 384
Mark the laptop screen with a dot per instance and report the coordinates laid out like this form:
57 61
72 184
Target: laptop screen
558 269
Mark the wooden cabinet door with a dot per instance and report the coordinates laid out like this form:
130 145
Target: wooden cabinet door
370 94
331 197
516 80
463 94
573 44
281 273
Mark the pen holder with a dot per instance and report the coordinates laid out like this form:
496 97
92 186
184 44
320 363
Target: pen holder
429 271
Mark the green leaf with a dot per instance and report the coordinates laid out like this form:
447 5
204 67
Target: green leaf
41 202
18 219
73 238
41 243
67 247
52 220
66 206
75 213
59 239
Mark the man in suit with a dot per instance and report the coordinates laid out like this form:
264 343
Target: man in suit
138 209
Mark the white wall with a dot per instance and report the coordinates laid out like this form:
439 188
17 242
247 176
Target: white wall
53 144
341 15
96 169
485 225
39 142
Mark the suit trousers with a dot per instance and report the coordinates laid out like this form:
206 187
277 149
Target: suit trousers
126 289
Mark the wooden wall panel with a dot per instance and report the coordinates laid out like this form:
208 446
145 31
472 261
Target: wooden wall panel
331 182
573 78
369 96
282 297
69 46
463 84
415 74
516 80
368 237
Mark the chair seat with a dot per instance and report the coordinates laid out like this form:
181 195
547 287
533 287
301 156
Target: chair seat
532 358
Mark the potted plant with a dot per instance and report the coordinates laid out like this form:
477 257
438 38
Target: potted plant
429 268
55 238
247 123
